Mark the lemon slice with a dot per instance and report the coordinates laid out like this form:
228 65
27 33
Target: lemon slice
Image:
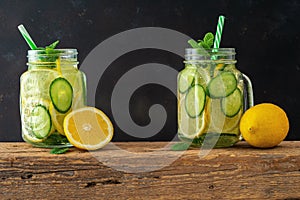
37 82
30 137
77 80
186 79
188 126
57 119
88 128
219 122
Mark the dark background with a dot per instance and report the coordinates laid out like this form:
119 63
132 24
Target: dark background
265 34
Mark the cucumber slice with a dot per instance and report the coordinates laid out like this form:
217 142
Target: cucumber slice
61 94
195 101
232 104
222 85
190 127
40 122
186 79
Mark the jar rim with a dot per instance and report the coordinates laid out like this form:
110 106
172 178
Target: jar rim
49 57
204 55
221 50
53 52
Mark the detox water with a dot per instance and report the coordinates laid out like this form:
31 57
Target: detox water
50 89
212 96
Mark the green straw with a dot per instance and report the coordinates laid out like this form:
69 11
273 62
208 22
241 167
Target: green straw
219 32
27 37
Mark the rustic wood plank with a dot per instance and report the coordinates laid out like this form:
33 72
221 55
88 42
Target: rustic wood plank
240 172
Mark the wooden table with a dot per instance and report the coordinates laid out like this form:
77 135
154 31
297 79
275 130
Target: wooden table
240 172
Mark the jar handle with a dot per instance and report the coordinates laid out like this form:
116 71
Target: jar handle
248 84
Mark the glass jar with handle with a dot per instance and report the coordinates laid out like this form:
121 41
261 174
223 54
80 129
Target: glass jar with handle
50 89
212 96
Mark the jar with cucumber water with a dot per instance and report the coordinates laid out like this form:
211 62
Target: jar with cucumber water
212 96
50 89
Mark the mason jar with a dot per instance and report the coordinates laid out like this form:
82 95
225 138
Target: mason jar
212 96
50 89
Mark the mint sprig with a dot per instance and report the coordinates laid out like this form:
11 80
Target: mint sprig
206 43
49 47
49 50
53 45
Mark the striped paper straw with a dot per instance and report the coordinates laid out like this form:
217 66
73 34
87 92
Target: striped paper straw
219 32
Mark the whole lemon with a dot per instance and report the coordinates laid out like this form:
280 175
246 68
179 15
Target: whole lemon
264 125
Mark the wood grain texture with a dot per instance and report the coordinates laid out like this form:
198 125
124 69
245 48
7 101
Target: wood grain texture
240 172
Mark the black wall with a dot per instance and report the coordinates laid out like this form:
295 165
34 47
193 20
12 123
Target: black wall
264 32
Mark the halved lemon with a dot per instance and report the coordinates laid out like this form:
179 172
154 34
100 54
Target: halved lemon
88 128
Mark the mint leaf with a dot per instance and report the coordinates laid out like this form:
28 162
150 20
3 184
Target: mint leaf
204 45
181 146
209 39
210 42
53 45
56 138
59 150
49 47
193 43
